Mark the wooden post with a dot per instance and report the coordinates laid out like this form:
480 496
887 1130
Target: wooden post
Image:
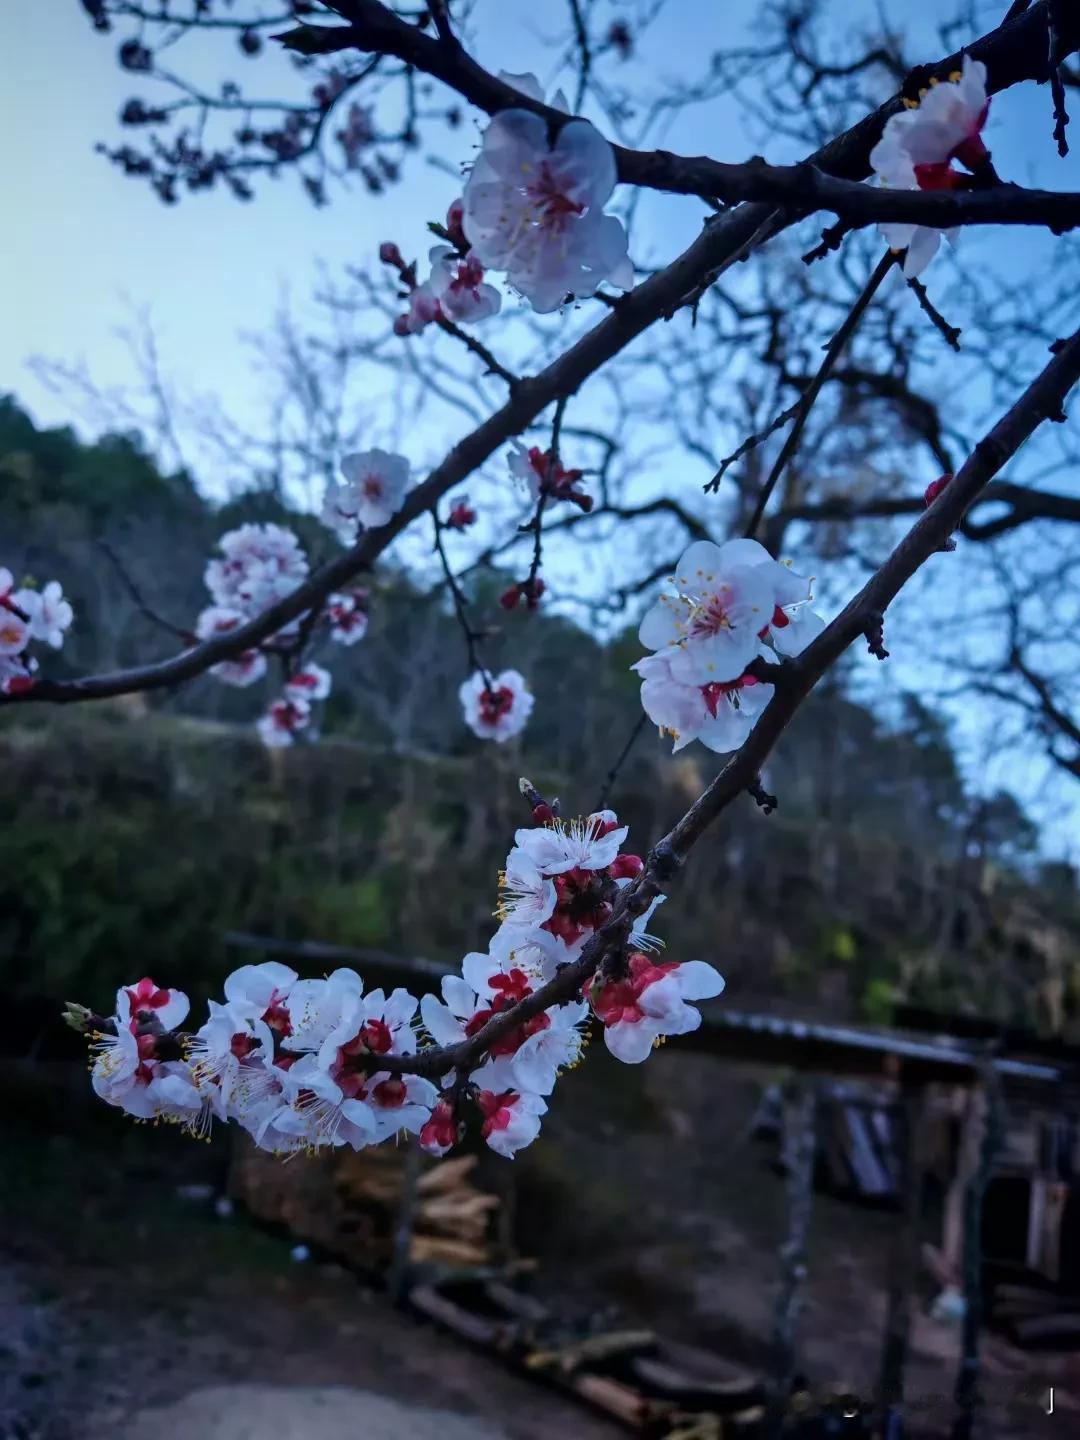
987 1107
904 1263
403 1224
800 1147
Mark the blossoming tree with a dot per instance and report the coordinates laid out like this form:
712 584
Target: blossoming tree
734 640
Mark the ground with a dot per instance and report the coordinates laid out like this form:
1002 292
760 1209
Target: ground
129 1309
129 1312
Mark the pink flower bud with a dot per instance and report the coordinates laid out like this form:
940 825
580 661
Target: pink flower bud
389 254
934 489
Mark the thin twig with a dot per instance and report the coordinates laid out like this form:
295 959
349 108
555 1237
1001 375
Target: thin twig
806 404
950 332
752 442
180 631
1057 87
623 756
473 638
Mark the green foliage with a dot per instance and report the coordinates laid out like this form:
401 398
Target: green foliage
134 837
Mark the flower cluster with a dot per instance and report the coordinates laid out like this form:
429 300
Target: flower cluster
28 615
917 149
732 604
455 289
304 1064
259 565
496 707
534 205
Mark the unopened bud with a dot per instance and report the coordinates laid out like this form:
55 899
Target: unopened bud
76 1016
934 489
389 254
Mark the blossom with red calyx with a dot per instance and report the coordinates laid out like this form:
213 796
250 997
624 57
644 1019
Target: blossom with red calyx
146 1000
347 614
497 710
534 206
540 473
309 683
457 283
263 991
650 1002
917 149
441 1132
241 670
282 721
16 673
27 615
561 877
530 591
462 515
724 601
934 489
511 1120
487 986
424 309
371 489
258 565
720 714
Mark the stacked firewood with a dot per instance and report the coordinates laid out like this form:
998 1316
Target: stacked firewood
359 1207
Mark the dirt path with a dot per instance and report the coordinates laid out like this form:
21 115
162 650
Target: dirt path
128 1312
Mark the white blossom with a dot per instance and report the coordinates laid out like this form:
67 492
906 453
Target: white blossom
499 711
511 1120
534 207
651 1002
49 614
720 714
283 720
457 285
371 490
917 148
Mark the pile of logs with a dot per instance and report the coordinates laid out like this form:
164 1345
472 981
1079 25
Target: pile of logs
373 1208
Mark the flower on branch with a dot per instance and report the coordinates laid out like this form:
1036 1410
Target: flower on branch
310 683
28 615
371 490
650 1002
258 565
423 310
531 591
539 472
283 720
458 286
720 714
729 604
534 206
497 707
348 616
302 1065
917 149
511 1120
462 515
243 669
